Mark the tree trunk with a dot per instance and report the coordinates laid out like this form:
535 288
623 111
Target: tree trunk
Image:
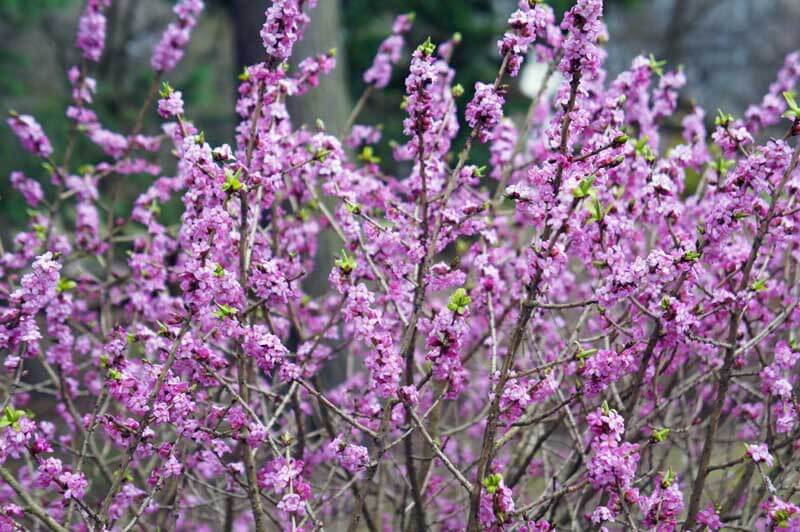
331 100
247 17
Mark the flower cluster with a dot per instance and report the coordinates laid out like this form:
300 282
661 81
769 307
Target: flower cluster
285 24
497 504
30 135
760 454
170 49
614 462
601 369
584 26
663 508
525 25
419 91
30 189
171 103
92 29
353 458
284 476
389 52
485 111
20 331
445 343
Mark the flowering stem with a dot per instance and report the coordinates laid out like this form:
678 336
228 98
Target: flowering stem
359 106
372 469
523 133
144 422
244 369
408 351
73 127
518 332
31 504
14 382
326 422
733 333
151 94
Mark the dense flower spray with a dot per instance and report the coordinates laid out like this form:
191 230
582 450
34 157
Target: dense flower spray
92 30
176 37
389 52
598 331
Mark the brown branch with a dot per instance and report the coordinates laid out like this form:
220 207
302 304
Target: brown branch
31 504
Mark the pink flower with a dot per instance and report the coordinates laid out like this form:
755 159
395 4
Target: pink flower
284 26
292 503
75 484
602 514
172 105
31 190
169 51
31 135
92 29
353 458
759 452
379 74
485 110
710 519
409 394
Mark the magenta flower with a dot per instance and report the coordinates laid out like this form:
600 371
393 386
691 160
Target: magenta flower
710 519
172 105
31 190
759 453
30 135
524 26
379 74
169 51
92 29
353 458
284 26
485 111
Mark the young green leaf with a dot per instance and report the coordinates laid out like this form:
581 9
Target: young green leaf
459 301
346 263
492 483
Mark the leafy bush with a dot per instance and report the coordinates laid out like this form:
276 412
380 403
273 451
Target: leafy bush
567 338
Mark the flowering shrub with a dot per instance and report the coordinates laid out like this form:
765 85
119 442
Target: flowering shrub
576 337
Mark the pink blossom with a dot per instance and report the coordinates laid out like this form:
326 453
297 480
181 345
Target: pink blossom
760 454
92 29
172 105
485 110
30 135
169 51
31 190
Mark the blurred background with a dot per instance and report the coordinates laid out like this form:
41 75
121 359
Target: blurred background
730 51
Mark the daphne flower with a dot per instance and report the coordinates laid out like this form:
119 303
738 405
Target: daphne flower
31 190
172 105
388 55
353 458
170 49
760 454
92 29
485 111
30 134
284 26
